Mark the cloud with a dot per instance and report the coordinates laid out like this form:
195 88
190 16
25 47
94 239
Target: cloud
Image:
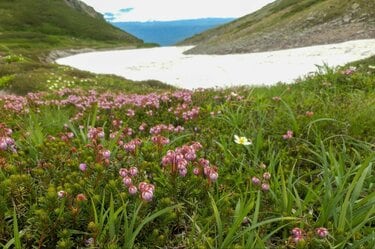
150 10
126 10
109 16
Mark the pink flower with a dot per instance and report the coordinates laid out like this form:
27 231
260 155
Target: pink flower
182 171
288 135
81 197
83 167
309 114
101 134
322 232
190 156
204 162
127 181
147 195
297 231
106 154
265 186
196 171
142 186
255 180
61 194
267 176
3 145
213 176
133 171
123 172
206 170
132 190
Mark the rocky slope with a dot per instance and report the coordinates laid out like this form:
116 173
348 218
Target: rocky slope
287 24
81 6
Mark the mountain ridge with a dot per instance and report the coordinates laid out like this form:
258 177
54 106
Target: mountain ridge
286 24
70 18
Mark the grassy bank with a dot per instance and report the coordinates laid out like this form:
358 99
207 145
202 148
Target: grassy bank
90 169
24 64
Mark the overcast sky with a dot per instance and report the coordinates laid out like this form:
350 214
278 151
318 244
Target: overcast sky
163 10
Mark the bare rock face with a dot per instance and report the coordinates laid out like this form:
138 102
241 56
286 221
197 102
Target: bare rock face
81 6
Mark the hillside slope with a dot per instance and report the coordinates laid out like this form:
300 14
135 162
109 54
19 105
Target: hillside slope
288 24
33 33
70 18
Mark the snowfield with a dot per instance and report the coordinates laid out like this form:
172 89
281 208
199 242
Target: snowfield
171 66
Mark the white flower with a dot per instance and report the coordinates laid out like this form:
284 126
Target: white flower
371 67
242 140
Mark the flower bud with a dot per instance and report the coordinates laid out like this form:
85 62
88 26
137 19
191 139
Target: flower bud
133 171
147 195
127 181
213 176
265 187
132 190
255 180
267 176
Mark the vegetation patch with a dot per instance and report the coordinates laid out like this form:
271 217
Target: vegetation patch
289 166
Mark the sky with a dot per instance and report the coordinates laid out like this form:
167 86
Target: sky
167 10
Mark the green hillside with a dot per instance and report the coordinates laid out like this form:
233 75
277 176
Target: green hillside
290 23
56 17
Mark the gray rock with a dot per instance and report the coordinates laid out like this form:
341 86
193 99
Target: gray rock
355 6
347 18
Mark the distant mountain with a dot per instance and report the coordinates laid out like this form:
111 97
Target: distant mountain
70 18
168 33
288 24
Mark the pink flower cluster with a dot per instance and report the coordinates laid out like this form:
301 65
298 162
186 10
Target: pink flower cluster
191 114
66 136
288 135
182 157
264 182
95 133
234 96
184 111
6 142
349 71
321 232
299 235
209 171
160 140
15 103
162 127
146 189
132 145
83 100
